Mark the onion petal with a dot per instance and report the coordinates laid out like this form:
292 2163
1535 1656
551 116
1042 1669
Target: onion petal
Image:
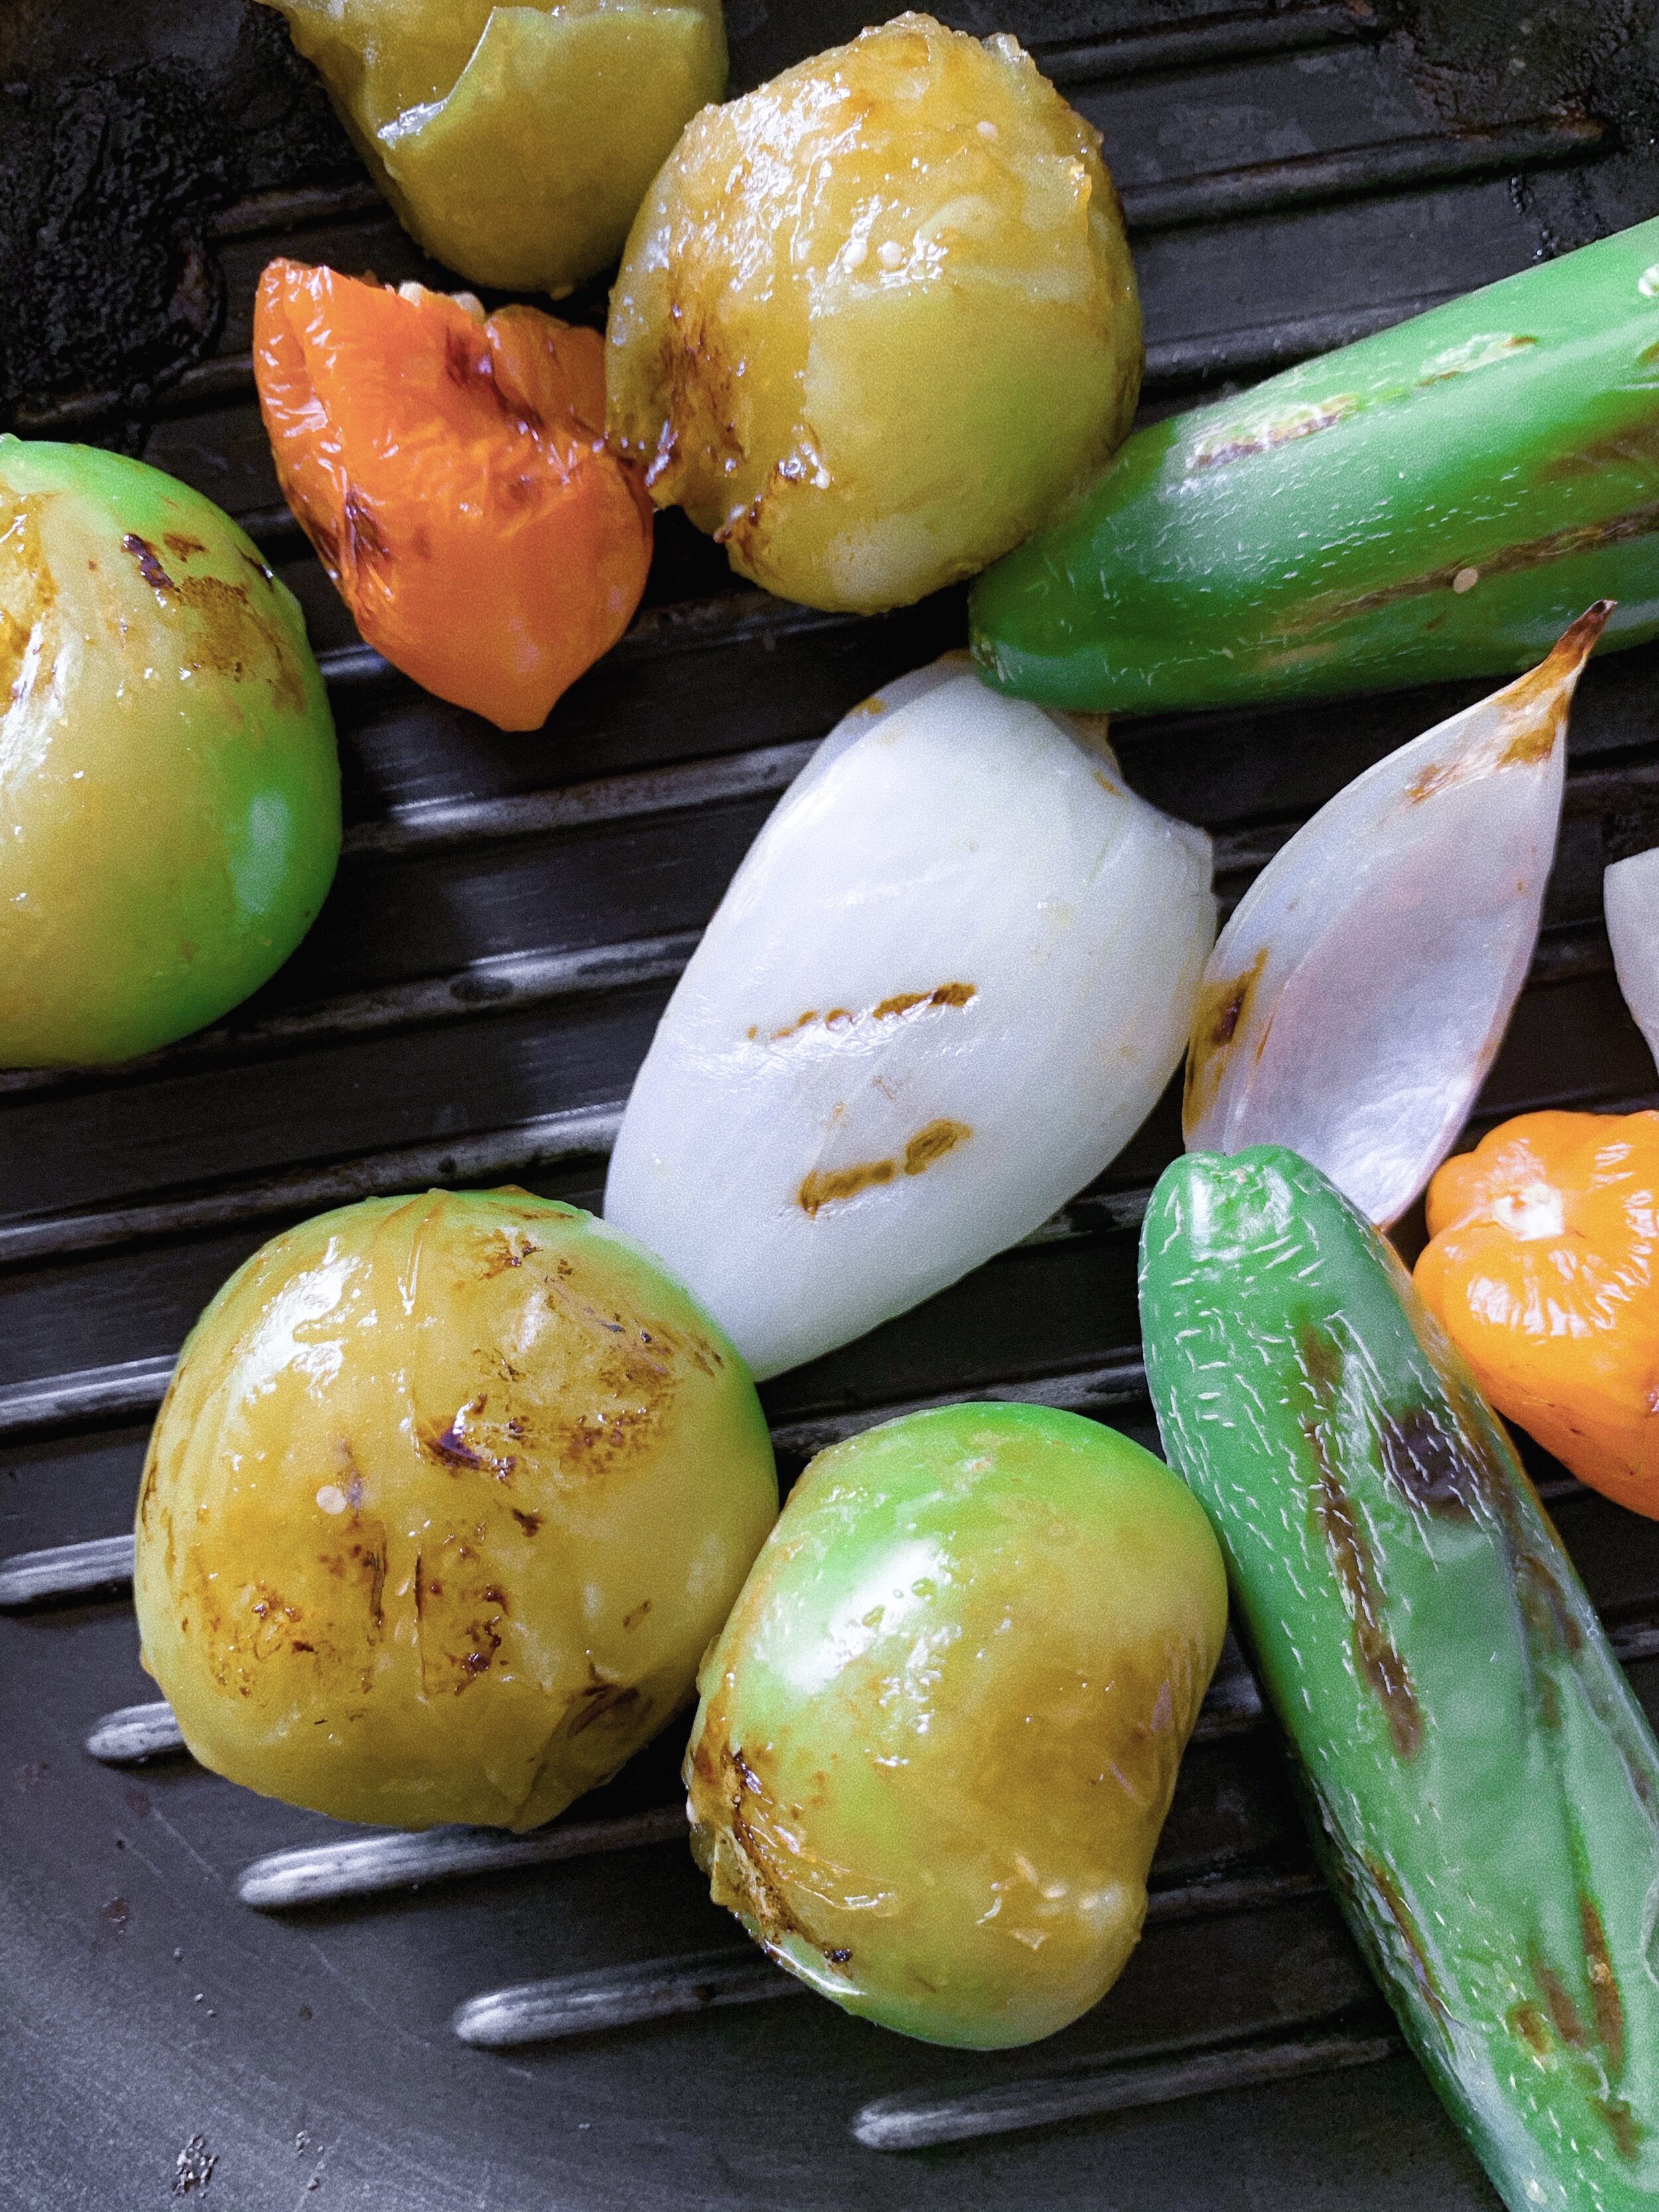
1360 990
949 981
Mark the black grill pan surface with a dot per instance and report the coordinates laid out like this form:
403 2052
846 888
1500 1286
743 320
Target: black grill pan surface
208 1995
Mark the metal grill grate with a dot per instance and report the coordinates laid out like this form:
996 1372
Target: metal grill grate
508 919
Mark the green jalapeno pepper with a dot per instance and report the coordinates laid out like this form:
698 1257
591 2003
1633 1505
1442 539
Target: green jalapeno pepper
1482 1786
1438 501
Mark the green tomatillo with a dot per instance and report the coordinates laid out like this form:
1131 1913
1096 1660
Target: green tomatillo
940 1731
515 143
169 790
876 316
446 1501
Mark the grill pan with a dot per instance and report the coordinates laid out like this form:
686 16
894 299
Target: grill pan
209 1995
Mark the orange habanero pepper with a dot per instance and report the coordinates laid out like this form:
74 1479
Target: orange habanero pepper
450 469
1540 1269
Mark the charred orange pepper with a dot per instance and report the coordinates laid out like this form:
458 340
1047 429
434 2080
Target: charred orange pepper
450 469
1541 1268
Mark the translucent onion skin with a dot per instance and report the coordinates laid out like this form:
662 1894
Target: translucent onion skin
169 787
876 318
940 1732
1629 898
1363 984
947 984
446 1499
515 144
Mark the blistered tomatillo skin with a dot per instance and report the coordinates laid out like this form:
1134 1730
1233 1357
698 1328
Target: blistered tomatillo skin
875 318
515 144
446 1501
940 1731
169 789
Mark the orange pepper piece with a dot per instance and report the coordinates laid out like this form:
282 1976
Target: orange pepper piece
1540 1268
451 470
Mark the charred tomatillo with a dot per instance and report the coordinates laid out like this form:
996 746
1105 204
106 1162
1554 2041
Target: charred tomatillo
446 1501
169 790
876 316
940 1731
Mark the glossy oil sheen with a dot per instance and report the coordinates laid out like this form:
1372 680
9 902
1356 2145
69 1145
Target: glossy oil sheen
1479 1778
940 1732
515 144
1542 1266
1361 988
1438 501
446 1501
874 318
949 981
169 790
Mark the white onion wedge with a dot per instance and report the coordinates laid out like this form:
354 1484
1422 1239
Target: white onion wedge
945 986
1630 897
1358 993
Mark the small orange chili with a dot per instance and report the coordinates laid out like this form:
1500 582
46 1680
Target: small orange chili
450 469
1541 1268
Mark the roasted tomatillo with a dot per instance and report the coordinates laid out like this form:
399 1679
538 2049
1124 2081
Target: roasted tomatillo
876 317
447 1497
939 1733
515 143
168 785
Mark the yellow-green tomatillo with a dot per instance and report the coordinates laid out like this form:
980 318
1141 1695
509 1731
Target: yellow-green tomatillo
169 791
940 1731
515 144
447 1497
876 316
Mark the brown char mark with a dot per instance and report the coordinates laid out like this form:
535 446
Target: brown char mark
1429 1463
1623 2126
470 365
599 1698
1348 1548
1388 1895
1222 1009
1606 2002
367 547
1516 560
824 1187
149 563
1565 2015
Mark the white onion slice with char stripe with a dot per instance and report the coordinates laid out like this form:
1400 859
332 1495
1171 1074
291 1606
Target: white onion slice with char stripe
1359 993
945 986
